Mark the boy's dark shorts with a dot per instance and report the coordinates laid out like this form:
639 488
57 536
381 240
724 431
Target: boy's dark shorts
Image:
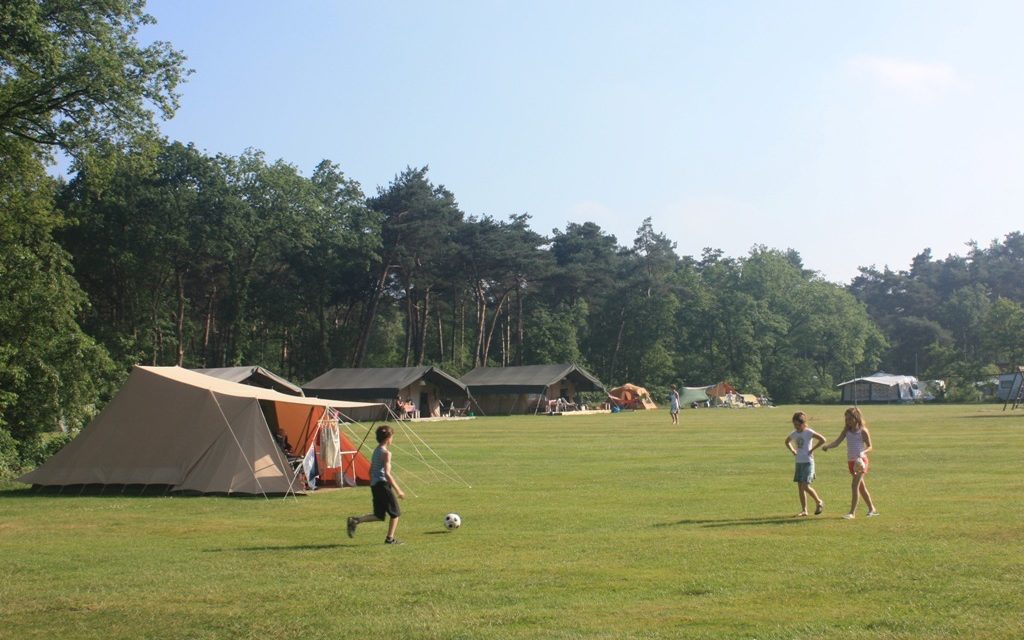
384 501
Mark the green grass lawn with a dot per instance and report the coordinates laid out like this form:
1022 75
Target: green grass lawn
609 526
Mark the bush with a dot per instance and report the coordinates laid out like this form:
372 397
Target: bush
38 450
9 457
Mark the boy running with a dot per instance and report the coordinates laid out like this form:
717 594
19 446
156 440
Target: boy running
383 487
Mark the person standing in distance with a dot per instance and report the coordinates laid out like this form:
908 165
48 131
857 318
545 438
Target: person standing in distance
673 404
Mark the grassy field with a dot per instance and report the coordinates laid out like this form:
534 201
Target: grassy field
610 526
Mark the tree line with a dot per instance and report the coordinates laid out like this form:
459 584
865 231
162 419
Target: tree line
156 252
208 261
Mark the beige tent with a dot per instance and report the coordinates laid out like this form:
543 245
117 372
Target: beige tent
191 432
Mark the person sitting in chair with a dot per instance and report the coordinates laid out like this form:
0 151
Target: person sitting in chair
282 442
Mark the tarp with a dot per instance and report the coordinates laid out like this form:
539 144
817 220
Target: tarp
378 383
191 432
689 395
750 400
255 376
531 379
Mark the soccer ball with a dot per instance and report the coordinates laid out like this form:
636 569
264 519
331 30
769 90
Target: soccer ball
452 521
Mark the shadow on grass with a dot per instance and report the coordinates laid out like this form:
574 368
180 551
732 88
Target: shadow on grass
284 547
1008 414
737 522
128 491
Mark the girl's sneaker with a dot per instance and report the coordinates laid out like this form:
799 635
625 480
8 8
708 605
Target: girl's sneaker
819 508
872 513
849 516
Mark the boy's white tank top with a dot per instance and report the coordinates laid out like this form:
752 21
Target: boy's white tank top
854 444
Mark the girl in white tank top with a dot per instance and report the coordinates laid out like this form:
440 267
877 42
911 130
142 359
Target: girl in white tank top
858 444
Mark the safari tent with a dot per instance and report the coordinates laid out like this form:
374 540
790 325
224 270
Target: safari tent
508 390
881 387
630 396
425 387
190 432
255 376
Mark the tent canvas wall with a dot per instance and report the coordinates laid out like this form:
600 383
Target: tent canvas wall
255 376
424 386
881 387
190 432
507 390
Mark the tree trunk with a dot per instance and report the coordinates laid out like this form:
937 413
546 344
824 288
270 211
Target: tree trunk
519 327
618 345
410 319
208 326
440 339
179 324
481 320
423 324
494 323
369 317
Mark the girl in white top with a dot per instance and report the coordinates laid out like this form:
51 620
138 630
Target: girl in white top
802 443
858 444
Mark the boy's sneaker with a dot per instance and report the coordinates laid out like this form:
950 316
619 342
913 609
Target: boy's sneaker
872 513
392 541
849 516
819 508
350 528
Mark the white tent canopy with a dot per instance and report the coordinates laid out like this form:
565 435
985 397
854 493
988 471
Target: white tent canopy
881 387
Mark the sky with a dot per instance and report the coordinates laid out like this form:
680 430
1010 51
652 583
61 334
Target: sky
858 134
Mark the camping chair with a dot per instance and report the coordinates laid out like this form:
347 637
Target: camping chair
459 411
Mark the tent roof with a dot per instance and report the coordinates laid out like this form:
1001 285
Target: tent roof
378 382
226 387
254 375
532 378
886 379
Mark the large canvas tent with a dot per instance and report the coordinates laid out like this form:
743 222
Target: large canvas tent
881 387
426 387
255 376
191 432
507 390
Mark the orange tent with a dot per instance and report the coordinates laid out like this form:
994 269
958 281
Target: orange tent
630 396
721 389
301 425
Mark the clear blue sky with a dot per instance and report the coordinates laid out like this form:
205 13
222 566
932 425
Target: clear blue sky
856 133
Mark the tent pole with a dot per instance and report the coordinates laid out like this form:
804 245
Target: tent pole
240 448
476 403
